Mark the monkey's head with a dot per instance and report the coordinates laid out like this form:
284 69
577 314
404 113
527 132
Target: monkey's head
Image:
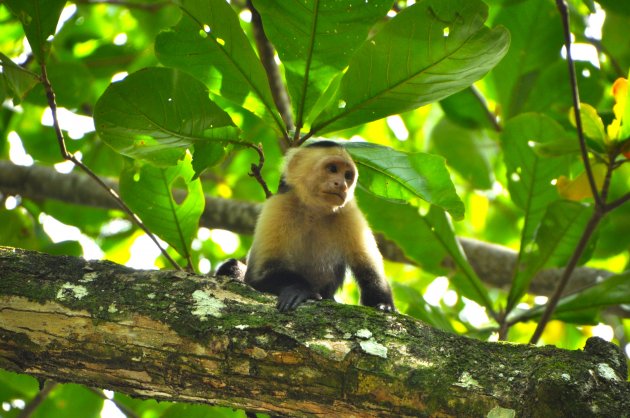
322 174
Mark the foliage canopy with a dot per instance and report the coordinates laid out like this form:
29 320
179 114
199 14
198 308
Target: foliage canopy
460 112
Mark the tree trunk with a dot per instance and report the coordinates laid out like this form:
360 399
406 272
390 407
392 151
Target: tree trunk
174 336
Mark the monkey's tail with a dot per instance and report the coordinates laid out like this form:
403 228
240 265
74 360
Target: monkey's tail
233 269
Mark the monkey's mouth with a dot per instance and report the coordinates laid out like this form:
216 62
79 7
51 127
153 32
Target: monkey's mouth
340 195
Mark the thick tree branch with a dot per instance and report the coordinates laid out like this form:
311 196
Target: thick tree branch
493 263
174 336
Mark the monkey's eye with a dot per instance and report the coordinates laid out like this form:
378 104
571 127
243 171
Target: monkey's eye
349 175
332 168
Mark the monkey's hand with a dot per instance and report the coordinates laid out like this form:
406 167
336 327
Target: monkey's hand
386 307
292 296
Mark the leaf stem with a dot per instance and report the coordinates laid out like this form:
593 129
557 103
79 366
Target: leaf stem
491 116
41 396
52 103
257 168
564 13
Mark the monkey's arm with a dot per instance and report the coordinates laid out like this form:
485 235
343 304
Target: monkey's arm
375 290
291 287
366 264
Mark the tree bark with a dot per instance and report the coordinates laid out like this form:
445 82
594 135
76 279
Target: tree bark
494 264
175 336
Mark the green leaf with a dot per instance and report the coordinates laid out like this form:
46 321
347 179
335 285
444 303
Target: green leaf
466 109
536 32
209 43
556 239
462 149
39 19
624 130
591 122
149 193
156 113
614 290
427 52
403 224
402 177
417 307
16 386
583 306
70 400
530 175
315 40
19 80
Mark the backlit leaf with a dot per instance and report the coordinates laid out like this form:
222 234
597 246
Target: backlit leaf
208 42
157 113
401 176
148 191
315 39
428 51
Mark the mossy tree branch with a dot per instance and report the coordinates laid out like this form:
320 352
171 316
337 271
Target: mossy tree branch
174 336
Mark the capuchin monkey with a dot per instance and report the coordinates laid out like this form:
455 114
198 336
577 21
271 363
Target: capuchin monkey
311 231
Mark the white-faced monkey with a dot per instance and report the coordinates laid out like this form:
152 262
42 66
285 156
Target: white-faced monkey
309 233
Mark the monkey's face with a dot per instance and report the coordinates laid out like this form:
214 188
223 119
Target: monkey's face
335 181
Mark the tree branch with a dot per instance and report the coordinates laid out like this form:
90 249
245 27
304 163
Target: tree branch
493 263
179 337
267 58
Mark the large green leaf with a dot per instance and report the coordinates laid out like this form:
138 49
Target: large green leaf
70 400
148 192
428 240
156 113
583 306
39 19
556 239
614 290
536 41
530 176
427 52
209 43
400 176
463 150
530 179
315 40
18 80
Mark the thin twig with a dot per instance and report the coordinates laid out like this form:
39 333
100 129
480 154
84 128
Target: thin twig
491 116
604 51
562 7
52 103
616 203
150 7
257 168
267 58
41 396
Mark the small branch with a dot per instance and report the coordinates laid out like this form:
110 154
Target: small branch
257 168
149 7
562 7
41 396
603 50
267 57
50 95
616 203
491 116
